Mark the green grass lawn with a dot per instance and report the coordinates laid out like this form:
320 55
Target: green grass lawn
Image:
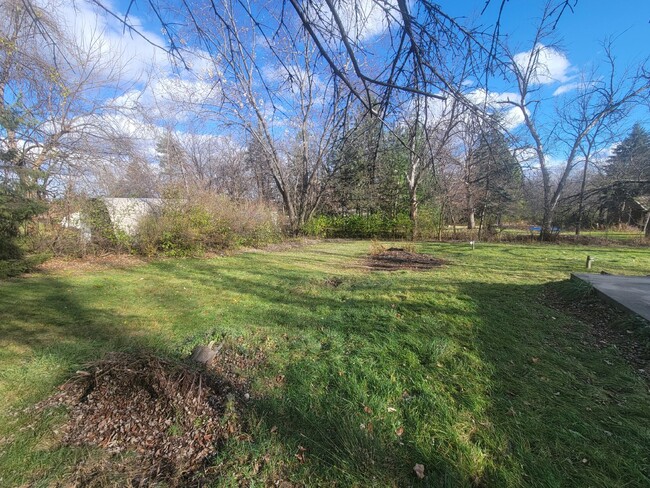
486 384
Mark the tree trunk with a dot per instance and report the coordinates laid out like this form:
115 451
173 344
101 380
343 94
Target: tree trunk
582 197
471 219
413 214
547 226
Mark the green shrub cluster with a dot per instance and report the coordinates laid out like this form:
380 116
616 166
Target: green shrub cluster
360 226
16 209
203 222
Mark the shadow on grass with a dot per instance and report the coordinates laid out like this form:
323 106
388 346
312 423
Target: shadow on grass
480 382
490 386
51 314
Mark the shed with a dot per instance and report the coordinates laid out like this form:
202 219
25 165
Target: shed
124 214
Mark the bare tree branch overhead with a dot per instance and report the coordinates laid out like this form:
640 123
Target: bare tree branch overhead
420 36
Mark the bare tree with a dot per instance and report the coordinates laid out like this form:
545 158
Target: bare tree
288 109
592 103
53 83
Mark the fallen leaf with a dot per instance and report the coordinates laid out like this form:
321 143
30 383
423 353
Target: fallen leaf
274 429
419 470
368 410
391 409
399 431
534 360
300 455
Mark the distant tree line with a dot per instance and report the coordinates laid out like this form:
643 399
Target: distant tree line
292 116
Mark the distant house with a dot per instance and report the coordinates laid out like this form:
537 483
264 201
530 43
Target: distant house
629 210
639 212
123 214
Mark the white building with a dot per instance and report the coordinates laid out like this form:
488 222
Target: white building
125 215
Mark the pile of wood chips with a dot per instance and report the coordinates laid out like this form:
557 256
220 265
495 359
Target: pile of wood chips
173 416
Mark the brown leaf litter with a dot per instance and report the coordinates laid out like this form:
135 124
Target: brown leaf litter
603 321
157 420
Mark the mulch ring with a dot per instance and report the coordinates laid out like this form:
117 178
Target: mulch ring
155 420
394 258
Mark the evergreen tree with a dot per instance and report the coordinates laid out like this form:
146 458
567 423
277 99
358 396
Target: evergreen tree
627 174
18 190
631 158
499 176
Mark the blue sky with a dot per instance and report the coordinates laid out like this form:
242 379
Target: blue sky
580 32
578 36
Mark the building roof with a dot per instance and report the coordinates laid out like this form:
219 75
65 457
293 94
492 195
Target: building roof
644 202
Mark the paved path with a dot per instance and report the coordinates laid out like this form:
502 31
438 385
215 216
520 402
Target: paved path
631 293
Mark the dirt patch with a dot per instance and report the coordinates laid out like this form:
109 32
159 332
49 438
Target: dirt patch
155 420
286 245
608 326
394 259
92 263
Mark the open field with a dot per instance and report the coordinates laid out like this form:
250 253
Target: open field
463 368
566 235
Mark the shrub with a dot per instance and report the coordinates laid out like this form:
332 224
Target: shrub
16 209
49 233
204 221
359 226
15 267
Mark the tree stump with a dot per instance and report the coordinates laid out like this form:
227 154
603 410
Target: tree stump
204 354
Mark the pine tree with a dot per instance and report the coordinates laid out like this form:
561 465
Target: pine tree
628 174
631 158
499 176
18 188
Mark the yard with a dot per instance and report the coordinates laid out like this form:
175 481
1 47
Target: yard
464 368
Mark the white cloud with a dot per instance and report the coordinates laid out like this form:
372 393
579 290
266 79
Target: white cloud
569 87
546 64
566 88
511 115
363 20
104 36
493 102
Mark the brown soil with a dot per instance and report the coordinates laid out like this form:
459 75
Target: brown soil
394 259
608 326
92 263
287 245
155 420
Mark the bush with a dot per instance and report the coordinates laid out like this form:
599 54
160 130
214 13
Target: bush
15 267
360 226
16 209
429 223
49 234
202 222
